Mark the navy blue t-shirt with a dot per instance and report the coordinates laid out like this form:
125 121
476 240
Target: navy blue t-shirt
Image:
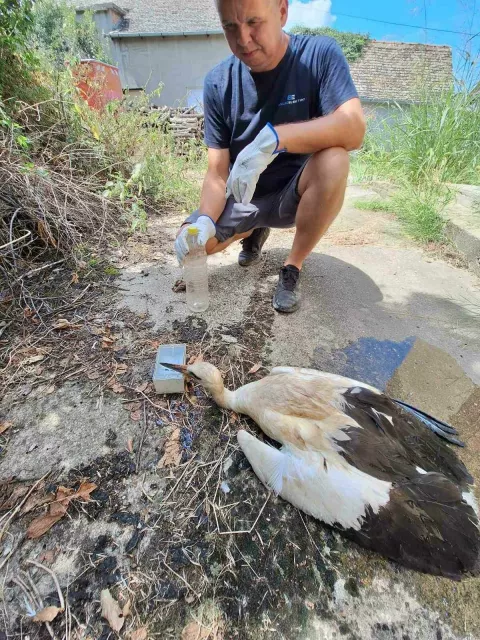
312 80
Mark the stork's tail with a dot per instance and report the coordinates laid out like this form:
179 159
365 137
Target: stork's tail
438 427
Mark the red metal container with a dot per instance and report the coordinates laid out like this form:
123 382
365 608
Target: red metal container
98 83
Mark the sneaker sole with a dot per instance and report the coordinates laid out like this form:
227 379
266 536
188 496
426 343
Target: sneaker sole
248 263
289 310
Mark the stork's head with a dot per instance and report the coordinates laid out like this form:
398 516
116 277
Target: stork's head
203 372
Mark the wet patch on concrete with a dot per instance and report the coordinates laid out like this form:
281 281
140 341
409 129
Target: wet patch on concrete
370 360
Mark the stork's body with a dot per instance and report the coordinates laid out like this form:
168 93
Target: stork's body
357 460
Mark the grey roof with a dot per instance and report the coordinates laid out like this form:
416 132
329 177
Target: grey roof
166 16
401 71
101 6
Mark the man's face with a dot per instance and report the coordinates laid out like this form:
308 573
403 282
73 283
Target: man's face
253 29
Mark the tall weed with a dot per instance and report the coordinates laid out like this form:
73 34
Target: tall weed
422 149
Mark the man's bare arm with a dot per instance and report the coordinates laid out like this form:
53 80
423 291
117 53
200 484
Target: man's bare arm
345 127
212 200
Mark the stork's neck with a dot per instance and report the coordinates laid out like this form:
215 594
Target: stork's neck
224 398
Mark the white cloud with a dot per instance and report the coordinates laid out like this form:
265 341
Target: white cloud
314 13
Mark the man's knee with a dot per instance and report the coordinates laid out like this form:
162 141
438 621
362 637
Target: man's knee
211 246
327 169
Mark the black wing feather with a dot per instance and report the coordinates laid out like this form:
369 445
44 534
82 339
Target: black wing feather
393 442
426 526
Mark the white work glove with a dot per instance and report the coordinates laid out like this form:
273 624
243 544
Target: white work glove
250 163
206 230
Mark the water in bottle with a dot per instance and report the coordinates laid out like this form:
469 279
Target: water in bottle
195 273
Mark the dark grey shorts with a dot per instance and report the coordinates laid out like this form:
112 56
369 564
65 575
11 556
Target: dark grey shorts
276 210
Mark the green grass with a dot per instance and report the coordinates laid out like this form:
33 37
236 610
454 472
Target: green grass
374 205
420 208
142 158
425 148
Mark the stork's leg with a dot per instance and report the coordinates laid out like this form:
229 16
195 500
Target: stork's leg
440 428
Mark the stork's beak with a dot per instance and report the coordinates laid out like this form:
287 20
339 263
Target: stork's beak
181 368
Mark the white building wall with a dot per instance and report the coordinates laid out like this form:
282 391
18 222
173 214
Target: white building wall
179 63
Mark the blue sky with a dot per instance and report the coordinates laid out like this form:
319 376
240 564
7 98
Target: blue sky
456 15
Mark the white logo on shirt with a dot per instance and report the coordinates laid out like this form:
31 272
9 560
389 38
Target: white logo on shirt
291 99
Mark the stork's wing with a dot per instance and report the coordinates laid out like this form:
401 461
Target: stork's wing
392 439
312 374
375 434
426 522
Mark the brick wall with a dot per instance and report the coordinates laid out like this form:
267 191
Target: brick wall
401 71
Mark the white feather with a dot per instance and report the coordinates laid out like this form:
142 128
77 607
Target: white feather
470 499
325 486
380 413
308 374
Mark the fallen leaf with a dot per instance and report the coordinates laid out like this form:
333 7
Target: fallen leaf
36 500
190 598
117 388
63 323
111 610
4 425
82 264
130 445
94 375
197 631
179 286
255 368
50 389
41 525
310 606
141 387
127 607
33 359
83 491
47 615
139 634
172 452
107 342
58 508
121 369
74 278
47 556
132 406
38 370
97 331
136 415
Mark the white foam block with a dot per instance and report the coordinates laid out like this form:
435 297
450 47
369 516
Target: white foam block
165 380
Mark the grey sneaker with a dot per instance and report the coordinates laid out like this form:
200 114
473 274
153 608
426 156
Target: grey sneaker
287 295
252 247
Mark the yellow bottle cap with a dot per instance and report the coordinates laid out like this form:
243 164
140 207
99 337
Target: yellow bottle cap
192 231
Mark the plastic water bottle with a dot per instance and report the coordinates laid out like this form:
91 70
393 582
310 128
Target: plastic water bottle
195 273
